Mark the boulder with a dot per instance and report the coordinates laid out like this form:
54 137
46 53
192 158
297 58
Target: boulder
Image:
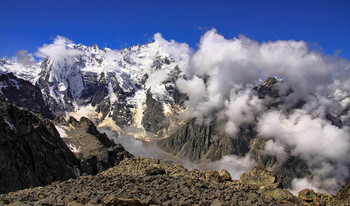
225 175
261 177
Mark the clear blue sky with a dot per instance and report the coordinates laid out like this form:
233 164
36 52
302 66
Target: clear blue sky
28 24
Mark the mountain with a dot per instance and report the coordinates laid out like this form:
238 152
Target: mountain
146 97
116 85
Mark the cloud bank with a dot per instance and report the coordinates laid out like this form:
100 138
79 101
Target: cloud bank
315 93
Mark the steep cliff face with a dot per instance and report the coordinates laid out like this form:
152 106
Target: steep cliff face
23 94
198 142
153 119
31 151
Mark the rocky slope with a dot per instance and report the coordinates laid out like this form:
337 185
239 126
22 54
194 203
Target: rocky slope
95 151
31 151
142 181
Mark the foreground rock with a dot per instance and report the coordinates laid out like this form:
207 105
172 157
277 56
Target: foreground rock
31 151
142 181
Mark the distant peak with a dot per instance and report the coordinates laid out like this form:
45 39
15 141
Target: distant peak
95 47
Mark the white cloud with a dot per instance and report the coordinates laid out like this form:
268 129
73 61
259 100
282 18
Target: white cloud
276 149
235 165
24 58
60 49
241 107
322 145
180 52
310 136
300 184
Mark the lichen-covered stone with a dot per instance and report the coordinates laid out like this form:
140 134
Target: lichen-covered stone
225 175
261 177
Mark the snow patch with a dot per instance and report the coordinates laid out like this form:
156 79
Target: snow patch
138 100
72 148
167 108
61 131
9 124
112 97
85 111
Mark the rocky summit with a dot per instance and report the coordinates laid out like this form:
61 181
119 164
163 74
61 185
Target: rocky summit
143 181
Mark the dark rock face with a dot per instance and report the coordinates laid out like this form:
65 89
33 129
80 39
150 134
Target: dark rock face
31 151
268 88
197 142
23 94
200 142
153 119
95 150
131 183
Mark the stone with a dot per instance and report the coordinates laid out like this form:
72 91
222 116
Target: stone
225 175
155 171
306 195
212 176
281 195
261 177
74 204
114 201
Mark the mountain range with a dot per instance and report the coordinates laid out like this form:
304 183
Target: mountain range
83 101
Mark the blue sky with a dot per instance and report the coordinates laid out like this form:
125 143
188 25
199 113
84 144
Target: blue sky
26 24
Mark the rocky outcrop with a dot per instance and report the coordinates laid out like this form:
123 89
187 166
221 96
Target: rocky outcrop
260 177
131 183
31 151
95 151
23 94
198 142
153 119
